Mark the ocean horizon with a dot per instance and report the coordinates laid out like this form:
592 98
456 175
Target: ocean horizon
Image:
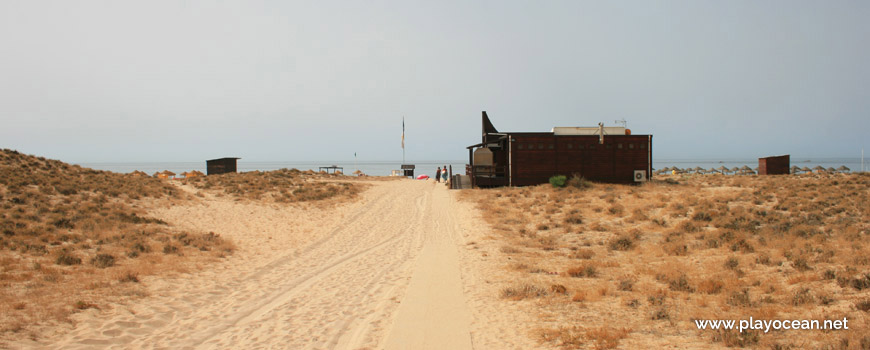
384 168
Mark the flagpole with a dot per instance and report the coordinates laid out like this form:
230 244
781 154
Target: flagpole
403 140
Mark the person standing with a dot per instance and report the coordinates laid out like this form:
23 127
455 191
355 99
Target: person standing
438 175
444 174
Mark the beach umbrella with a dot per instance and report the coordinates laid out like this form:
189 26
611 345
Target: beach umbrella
806 169
832 170
712 171
819 168
357 172
422 177
723 169
699 170
844 169
794 169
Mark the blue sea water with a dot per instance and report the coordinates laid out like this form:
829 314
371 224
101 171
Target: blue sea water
428 167
854 164
369 168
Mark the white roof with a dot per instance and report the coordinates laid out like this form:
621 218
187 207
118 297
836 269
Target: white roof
593 130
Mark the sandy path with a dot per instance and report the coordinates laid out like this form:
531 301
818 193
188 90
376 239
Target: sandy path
382 272
433 314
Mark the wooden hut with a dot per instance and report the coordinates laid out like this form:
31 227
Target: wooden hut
603 154
221 165
778 165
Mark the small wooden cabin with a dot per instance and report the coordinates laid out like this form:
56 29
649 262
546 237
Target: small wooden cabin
531 158
778 165
221 165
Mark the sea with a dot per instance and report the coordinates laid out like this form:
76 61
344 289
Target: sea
385 168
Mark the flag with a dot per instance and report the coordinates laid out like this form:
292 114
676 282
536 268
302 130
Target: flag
403 132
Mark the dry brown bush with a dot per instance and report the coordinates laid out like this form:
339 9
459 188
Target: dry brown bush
67 233
523 291
282 186
713 247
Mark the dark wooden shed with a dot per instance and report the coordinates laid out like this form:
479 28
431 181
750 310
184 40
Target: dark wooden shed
777 165
408 169
529 158
221 165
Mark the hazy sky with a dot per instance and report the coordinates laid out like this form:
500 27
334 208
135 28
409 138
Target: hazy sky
103 81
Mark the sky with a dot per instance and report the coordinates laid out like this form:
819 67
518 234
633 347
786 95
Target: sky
155 81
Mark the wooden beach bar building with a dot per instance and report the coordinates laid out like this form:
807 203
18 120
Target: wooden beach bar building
605 154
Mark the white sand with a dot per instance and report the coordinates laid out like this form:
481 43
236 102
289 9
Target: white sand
393 270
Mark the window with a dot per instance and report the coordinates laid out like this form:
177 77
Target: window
630 146
570 146
520 146
531 146
619 145
551 146
580 146
592 146
643 146
608 146
540 146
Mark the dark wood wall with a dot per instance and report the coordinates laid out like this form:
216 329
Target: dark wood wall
539 156
220 166
774 165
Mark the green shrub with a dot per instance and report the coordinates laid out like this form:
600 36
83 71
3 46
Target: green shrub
558 181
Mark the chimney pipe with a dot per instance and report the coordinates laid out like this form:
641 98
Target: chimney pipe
601 133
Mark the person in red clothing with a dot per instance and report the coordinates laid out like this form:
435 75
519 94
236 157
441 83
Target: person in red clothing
438 175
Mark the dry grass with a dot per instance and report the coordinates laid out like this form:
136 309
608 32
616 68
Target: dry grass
73 238
654 258
281 186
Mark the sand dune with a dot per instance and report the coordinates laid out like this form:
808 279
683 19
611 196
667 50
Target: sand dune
390 270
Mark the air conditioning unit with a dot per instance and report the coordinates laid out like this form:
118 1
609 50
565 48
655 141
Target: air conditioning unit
640 176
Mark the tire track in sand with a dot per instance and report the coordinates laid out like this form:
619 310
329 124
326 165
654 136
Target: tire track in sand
343 290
